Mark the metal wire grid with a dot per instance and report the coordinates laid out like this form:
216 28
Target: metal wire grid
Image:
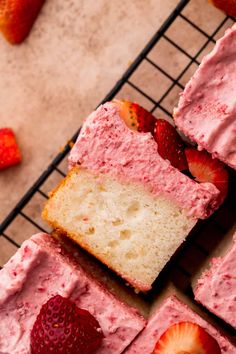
195 249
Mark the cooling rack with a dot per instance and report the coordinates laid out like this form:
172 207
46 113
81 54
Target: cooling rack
166 63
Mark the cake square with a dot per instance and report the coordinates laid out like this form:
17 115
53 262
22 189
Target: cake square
41 269
123 202
206 112
173 311
216 288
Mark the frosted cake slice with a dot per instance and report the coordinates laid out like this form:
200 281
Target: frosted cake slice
123 202
216 288
175 328
207 108
38 271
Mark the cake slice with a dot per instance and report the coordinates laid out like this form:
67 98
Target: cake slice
123 202
206 111
175 328
42 269
216 288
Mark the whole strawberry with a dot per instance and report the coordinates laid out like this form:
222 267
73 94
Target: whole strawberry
61 327
17 18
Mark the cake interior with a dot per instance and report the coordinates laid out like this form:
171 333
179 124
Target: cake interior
123 224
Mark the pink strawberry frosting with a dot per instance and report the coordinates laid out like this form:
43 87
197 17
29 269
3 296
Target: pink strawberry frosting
107 145
41 269
216 289
171 312
207 108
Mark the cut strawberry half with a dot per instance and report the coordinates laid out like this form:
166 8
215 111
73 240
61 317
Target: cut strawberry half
17 18
9 151
136 117
206 169
170 145
61 327
186 338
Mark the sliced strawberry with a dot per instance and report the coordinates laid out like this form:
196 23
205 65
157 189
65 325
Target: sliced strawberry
186 338
61 327
170 144
9 152
206 169
228 6
135 116
17 18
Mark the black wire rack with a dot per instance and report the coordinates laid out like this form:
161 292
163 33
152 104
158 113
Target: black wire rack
150 69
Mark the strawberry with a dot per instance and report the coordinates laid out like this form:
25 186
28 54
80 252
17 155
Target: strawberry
9 152
136 117
186 338
17 18
228 6
206 169
61 327
170 144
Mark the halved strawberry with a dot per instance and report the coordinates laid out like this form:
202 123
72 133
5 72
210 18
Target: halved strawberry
186 338
135 116
62 327
9 152
206 169
228 6
170 144
17 18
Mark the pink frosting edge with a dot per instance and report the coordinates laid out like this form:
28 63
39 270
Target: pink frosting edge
185 99
208 293
48 238
170 312
199 200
